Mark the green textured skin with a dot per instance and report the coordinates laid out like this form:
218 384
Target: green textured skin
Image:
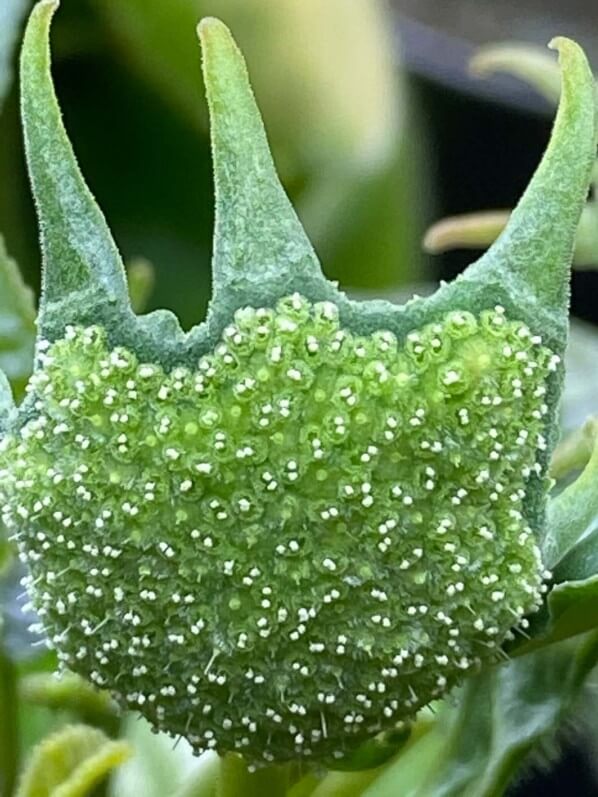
141 578
296 544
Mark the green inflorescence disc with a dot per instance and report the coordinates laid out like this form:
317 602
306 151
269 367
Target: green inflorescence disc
299 543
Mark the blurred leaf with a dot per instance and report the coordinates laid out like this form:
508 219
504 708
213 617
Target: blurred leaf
477 749
528 62
71 762
159 766
17 323
467 231
202 781
573 452
580 399
571 609
350 113
479 230
18 640
376 751
12 13
572 514
72 693
353 163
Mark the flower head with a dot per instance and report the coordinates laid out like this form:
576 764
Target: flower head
293 527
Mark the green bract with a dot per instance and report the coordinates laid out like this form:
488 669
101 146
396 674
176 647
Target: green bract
295 525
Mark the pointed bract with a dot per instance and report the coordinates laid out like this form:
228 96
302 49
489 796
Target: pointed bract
83 275
528 267
261 251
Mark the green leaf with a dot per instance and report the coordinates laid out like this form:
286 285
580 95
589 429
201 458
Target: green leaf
261 251
12 13
573 514
235 779
570 548
581 380
71 762
571 609
477 750
466 231
70 692
17 324
376 751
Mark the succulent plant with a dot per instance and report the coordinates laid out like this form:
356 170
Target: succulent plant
288 529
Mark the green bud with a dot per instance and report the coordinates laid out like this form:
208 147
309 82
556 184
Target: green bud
292 527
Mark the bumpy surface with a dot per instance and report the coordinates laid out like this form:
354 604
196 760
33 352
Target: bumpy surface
296 545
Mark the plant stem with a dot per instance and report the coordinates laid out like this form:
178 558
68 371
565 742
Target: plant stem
9 729
236 781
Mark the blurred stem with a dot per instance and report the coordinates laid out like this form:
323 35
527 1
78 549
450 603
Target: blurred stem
9 729
236 781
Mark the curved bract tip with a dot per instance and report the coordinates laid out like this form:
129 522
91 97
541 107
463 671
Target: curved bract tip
207 24
83 278
564 45
530 261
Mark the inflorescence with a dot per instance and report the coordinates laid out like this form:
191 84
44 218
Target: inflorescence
299 543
